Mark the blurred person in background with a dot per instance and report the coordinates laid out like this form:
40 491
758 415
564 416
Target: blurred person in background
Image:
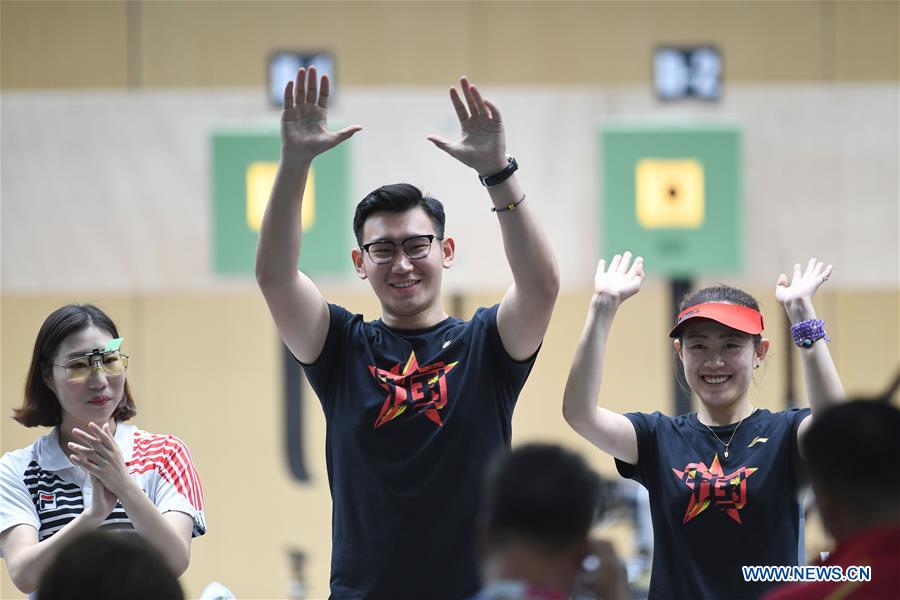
93 470
416 401
724 481
107 566
538 505
852 452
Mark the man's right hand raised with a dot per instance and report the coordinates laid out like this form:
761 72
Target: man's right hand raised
304 122
297 306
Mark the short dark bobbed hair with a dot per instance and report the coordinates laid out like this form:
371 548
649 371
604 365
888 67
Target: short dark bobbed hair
398 198
109 564
851 451
541 494
41 406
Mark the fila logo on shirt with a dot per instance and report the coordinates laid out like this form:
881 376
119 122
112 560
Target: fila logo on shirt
47 500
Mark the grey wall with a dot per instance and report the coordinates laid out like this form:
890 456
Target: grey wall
123 177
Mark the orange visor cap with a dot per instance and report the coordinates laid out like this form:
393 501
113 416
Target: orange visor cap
742 318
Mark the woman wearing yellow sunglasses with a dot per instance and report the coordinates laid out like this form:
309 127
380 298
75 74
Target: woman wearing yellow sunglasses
93 470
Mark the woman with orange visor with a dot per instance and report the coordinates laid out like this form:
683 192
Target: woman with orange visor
723 481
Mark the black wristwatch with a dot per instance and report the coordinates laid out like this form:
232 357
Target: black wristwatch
502 175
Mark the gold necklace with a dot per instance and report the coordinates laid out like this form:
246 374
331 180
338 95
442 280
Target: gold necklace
753 410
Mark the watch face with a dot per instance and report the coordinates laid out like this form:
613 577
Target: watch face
501 175
687 72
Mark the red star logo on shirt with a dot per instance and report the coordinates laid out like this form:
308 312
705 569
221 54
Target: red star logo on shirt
712 487
424 389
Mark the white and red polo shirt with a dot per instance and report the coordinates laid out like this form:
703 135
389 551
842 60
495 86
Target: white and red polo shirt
40 487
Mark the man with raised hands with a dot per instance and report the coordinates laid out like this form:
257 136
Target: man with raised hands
416 402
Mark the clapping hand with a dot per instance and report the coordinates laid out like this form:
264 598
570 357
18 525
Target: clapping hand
102 500
99 455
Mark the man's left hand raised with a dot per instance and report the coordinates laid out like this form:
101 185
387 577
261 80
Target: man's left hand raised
483 143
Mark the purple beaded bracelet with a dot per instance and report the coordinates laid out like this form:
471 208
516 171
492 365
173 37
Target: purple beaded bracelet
806 333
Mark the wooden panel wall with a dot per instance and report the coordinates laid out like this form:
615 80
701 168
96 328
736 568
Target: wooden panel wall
209 44
206 367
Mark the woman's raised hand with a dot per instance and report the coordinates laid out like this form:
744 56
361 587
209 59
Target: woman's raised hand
621 280
803 284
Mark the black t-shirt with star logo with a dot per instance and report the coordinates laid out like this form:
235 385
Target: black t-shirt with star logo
412 417
712 514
